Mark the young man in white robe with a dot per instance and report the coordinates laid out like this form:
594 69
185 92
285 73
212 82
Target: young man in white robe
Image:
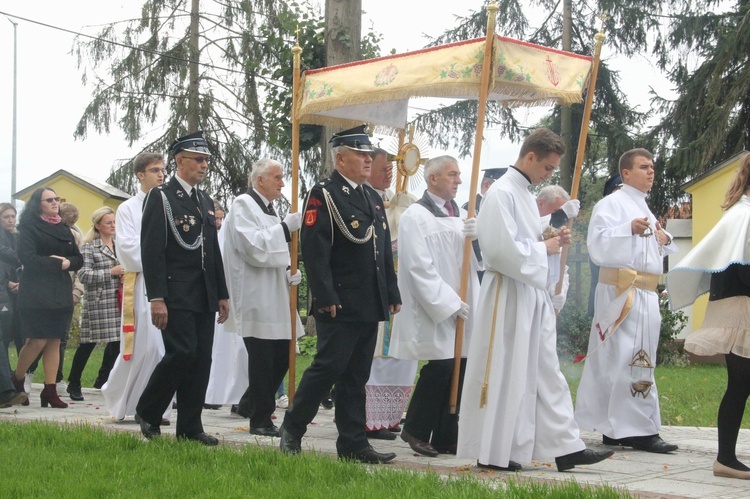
391 380
516 404
256 261
617 395
142 345
432 234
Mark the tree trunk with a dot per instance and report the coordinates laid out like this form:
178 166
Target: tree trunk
343 44
568 161
193 104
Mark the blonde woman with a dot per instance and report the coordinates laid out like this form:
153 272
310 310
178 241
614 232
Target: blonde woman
101 275
720 265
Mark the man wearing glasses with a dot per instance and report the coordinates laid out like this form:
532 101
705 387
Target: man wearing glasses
185 284
141 343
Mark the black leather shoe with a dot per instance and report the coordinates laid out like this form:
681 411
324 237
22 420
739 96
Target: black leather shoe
12 398
395 429
147 429
203 438
327 401
288 443
75 392
585 456
99 383
265 431
418 446
611 441
212 407
651 443
512 466
648 443
368 455
381 434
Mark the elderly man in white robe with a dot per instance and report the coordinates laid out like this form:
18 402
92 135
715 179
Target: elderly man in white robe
141 343
256 261
431 241
553 199
516 404
617 395
391 380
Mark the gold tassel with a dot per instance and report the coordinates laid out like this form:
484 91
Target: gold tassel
485 385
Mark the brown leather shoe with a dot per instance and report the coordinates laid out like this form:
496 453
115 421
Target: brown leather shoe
418 446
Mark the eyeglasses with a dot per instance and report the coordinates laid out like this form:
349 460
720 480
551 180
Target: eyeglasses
163 171
198 159
49 200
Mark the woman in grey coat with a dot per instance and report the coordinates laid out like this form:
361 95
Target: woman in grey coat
101 276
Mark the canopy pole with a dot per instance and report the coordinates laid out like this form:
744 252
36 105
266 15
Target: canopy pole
484 90
297 51
599 37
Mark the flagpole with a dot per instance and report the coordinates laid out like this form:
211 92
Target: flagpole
599 39
297 51
484 89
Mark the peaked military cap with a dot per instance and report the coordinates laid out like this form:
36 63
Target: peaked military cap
494 173
355 138
612 184
192 142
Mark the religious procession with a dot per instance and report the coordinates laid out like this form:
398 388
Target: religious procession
435 324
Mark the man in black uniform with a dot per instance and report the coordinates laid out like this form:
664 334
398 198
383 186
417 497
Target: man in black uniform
346 247
185 284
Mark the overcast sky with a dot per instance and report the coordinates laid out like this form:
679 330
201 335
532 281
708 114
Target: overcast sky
51 97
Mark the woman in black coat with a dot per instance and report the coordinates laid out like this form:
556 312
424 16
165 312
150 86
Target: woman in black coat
48 252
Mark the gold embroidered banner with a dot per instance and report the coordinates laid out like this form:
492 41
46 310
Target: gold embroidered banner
377 91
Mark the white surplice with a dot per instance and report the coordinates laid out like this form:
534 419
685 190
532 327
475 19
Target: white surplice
605 402
256 256
429 278
128 379
228 379
391 380
529 412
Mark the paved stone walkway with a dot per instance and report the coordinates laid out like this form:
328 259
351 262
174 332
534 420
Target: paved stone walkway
686 473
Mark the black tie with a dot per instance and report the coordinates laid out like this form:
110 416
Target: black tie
194 197
271 211
361 192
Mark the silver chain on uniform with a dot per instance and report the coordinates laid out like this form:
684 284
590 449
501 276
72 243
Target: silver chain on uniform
190 247
342 225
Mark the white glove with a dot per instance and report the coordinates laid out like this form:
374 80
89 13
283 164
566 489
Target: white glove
293 221
558 301
462 312
571 208
470 228
295 279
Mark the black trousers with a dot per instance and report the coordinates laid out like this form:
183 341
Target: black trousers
267 364
344 357
184 369
81 357
428 417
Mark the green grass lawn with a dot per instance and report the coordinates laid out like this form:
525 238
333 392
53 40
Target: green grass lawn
44 460
689 395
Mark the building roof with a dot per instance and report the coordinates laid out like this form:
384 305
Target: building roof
715 169
102 188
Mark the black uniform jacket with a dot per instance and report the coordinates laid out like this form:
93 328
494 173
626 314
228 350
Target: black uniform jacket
359 276
44 284
179 275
